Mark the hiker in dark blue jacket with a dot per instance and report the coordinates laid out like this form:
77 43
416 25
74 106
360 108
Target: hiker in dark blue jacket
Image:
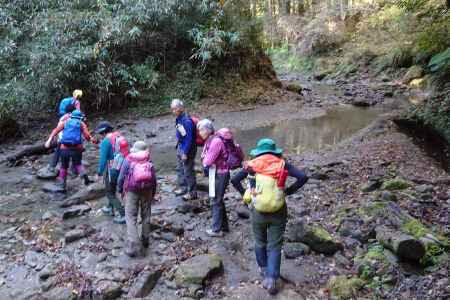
186 151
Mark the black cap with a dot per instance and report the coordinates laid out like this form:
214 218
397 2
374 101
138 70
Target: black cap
104 127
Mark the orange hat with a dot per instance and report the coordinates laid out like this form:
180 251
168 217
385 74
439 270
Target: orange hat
124 147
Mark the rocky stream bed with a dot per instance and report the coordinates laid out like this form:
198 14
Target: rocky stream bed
373 220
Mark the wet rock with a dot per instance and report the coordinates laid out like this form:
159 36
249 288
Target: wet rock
168 236
314 236
145 283
188 207
371 186
75 211
60 293
198 268
388 196
35 260
49 284
425 188
79 232
52 187
47 272
395 184
341 260
341 287
93 191
48 215
243 212
46 173
363 102
294 250
105 290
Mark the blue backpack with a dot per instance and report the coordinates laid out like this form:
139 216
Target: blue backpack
72 132
63 105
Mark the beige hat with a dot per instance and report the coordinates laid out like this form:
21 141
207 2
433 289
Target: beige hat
139 146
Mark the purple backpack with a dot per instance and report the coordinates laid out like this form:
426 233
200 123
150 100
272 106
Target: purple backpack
235 155
141 175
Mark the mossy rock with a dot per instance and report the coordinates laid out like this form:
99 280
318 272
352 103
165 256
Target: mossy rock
314 236
395 184
375 262
294 87
197 269
341 287
413 72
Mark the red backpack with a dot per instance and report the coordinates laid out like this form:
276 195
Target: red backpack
198 139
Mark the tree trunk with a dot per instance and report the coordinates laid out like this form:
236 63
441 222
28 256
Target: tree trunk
402 244
37 149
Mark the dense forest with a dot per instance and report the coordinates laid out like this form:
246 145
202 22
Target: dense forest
129 52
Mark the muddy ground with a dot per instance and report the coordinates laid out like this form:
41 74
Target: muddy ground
51 252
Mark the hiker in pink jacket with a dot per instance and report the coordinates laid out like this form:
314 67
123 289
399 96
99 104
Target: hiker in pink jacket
219 155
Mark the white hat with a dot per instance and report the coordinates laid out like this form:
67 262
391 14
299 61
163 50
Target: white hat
139 146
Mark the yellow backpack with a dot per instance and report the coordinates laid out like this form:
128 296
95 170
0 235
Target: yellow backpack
267 197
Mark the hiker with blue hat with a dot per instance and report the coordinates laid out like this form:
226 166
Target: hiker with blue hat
265 194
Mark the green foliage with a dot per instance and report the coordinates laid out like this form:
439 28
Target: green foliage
286 60
117 52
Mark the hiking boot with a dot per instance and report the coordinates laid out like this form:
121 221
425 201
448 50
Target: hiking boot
107 211
86 180
119 220
270 285
212 233
180 192
190 196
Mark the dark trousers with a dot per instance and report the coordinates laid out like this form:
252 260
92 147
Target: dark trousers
219 212
186 171
71 155
268 231
111 188
55 157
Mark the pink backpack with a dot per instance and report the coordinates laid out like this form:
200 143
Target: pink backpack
141 174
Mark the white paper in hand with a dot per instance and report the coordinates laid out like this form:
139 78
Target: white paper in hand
212 181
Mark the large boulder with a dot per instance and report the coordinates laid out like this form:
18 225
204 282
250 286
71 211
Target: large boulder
106 290
47 173
314 236
75 211
198 268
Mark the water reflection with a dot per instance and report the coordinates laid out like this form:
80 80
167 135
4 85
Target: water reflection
295 136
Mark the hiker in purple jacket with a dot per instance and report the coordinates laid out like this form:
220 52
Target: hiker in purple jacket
214 160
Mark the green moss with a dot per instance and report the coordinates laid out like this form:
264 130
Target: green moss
341 287
321 234
376 253
373 209
415 228
395 184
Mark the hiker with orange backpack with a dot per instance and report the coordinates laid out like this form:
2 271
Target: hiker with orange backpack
186 151
113 150
267 173
137 182
73 130
220 155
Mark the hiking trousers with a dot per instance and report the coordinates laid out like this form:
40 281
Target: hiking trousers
219 212
135 203
268 230
186 171
111 188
